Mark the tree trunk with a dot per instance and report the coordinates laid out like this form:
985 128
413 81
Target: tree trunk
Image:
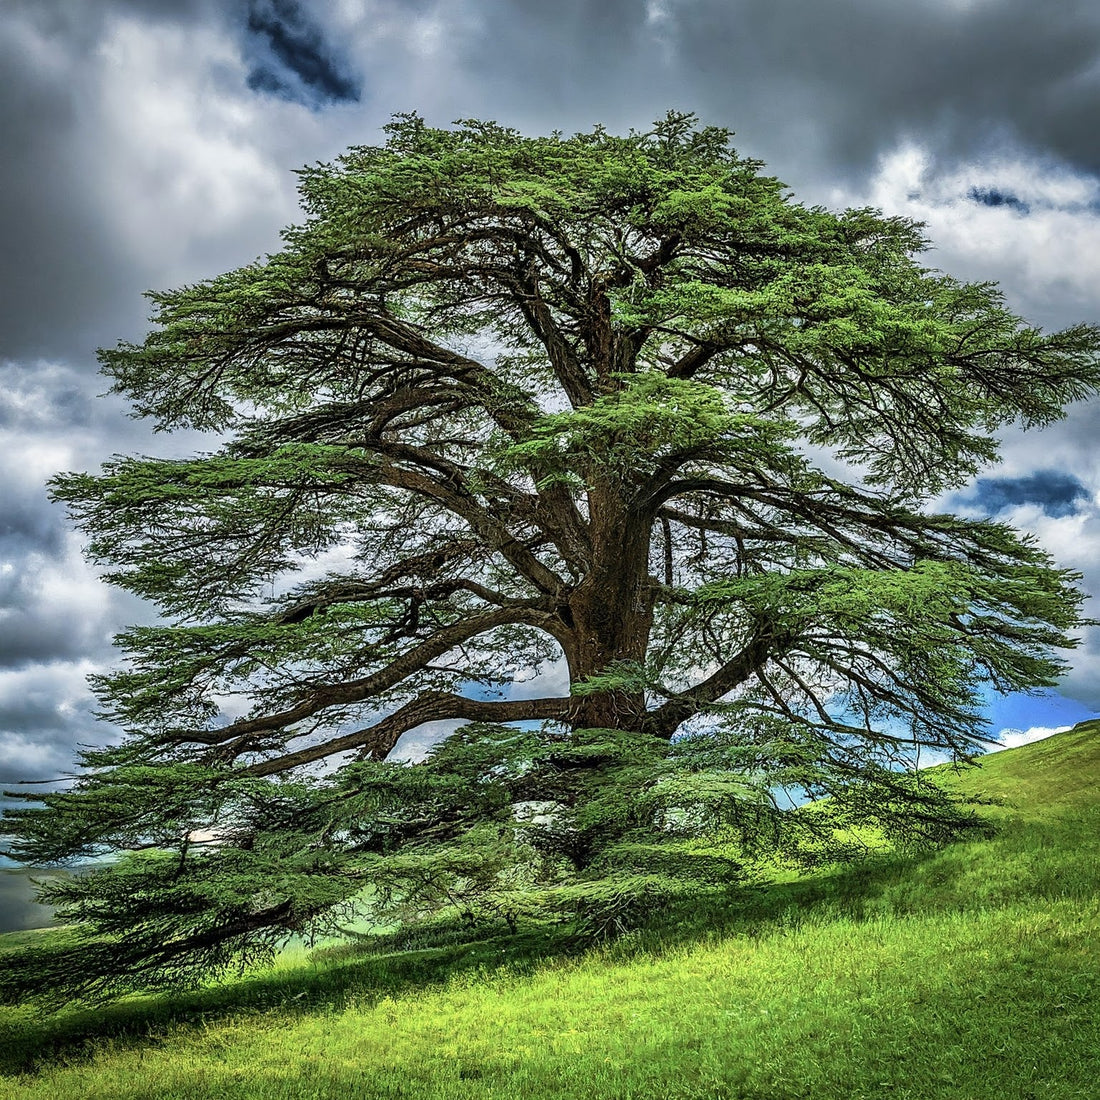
612 611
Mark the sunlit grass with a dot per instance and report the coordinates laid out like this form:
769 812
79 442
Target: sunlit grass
972 972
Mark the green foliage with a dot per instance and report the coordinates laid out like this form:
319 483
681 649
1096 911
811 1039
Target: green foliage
506 402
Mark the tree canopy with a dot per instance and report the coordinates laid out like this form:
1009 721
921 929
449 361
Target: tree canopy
616 410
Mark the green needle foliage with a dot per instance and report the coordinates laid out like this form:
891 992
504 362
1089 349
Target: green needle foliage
504 402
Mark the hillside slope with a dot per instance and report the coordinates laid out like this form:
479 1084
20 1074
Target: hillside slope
1056 774
970 972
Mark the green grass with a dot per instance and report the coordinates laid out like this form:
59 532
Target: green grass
971 972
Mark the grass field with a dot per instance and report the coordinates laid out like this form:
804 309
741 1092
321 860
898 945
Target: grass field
970 972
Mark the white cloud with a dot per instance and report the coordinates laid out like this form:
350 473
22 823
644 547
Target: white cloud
45 710
1013 738
1047 260
415 744
56 687
1074 543
34 757
427 36
552 682
1040 241
187 172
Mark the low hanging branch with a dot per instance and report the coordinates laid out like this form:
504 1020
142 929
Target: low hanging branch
544 404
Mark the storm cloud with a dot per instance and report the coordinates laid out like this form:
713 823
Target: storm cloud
849 77
150 143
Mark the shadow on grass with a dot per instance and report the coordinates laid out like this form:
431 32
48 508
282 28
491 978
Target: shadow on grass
1026 860
324 982
366 971
1054 856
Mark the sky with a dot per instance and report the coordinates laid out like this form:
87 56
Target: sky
149 143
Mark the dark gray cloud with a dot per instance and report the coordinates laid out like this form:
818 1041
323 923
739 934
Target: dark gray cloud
44 618
585 62
845 78
18 909
1057 493
48 715
54 247
819 90
95 129
48 414
56 620
302 65
53 418
28 525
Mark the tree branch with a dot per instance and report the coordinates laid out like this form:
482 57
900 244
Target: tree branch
324 696
765 642
377 741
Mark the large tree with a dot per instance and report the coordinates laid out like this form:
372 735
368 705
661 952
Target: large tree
615 409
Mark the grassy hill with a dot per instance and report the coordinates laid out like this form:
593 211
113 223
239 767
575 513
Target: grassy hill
970 972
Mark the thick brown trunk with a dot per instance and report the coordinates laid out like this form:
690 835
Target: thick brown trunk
612 612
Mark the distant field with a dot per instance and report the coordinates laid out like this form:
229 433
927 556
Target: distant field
971 972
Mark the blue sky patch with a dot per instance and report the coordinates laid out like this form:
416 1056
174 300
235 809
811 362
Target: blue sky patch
993 196
1057 493
294 61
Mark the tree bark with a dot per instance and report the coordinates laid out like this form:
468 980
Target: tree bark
611 609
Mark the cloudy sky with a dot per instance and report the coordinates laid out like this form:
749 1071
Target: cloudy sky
148 143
